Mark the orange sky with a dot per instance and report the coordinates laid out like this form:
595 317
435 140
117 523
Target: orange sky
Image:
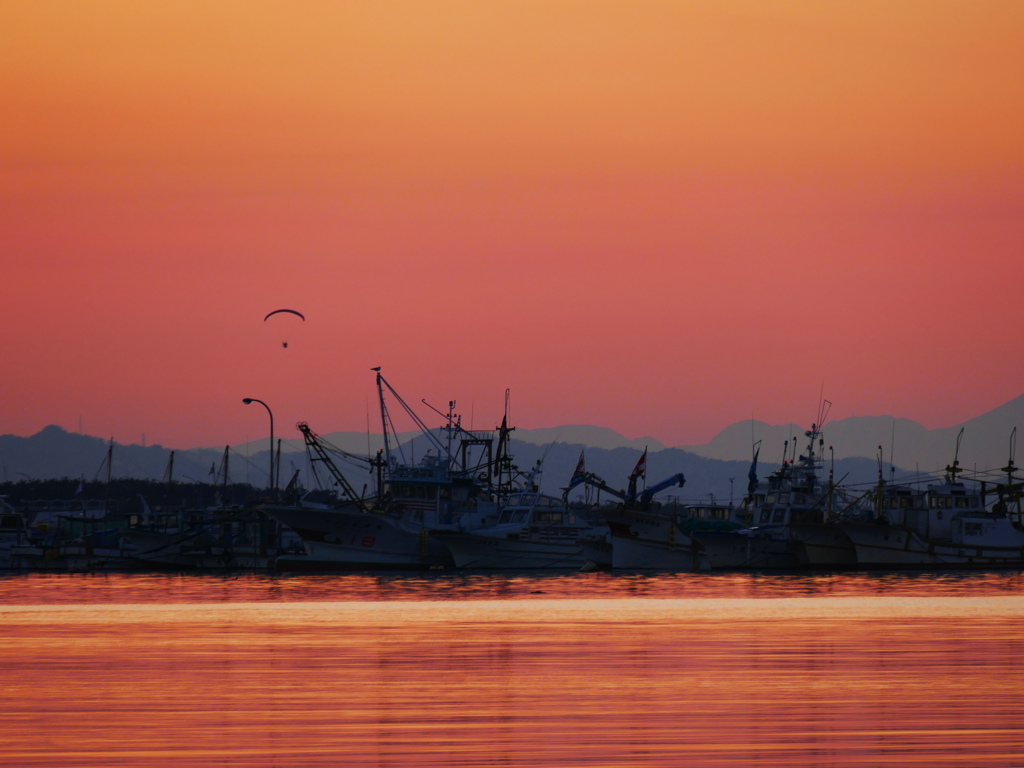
660 217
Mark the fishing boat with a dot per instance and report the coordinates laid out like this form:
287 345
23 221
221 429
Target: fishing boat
793 516
643 534
456 485
534 531
662 538
945 524
14 532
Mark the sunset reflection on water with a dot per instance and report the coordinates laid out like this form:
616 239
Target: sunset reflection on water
513 671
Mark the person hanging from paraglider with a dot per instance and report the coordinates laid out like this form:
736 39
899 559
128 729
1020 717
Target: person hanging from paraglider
284 343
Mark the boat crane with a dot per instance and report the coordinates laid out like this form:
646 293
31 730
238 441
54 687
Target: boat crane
648 494
627 498
314 446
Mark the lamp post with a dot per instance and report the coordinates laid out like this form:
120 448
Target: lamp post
270 481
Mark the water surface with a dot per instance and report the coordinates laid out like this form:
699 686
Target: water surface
574 670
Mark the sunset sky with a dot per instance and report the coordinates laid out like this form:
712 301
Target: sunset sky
658 217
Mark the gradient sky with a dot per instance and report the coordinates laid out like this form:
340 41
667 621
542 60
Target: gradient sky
659 217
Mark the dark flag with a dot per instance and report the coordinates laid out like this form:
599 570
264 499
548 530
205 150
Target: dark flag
752 474
640 470
579 474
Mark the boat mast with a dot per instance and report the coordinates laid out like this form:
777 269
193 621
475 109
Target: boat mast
223 496
383 417
277 468
954 470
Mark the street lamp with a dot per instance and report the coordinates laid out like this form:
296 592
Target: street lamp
270 482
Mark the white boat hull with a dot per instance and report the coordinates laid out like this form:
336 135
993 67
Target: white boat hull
987 543
483 551
822 545
647 541
634 554
736 551
350 539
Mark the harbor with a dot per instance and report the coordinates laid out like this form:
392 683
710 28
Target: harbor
465 504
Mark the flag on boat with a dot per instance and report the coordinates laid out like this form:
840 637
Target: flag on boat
579 473
752 474
81 486
213 469
641 467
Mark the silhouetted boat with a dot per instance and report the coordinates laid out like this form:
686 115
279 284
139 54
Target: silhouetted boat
457 485
944 525
534 531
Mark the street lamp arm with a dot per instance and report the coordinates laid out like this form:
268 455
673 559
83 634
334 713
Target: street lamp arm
270 481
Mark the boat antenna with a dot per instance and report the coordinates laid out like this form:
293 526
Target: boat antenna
1009 469
824 406
892 451
954 470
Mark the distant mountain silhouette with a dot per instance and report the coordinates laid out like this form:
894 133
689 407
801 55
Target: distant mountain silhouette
985 444
717 469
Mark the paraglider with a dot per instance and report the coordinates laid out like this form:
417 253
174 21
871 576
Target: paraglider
285 311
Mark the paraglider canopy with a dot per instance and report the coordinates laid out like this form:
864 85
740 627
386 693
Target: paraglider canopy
287 312
278 311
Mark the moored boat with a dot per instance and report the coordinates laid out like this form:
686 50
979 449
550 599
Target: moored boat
793 517
456 485
534 531
944 525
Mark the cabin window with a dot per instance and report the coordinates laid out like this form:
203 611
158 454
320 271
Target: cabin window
9 521
505 517
961 502
548 516
784 498
528 500
513 501
519 515
779 515
972 529
769 499
807 516
766 516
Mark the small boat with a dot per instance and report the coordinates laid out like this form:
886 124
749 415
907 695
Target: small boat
944 525
662 538
14 532
643 534
534 531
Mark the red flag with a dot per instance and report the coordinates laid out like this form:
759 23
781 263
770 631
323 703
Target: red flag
580 473
641 467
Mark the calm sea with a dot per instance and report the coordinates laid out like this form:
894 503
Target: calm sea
502 670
